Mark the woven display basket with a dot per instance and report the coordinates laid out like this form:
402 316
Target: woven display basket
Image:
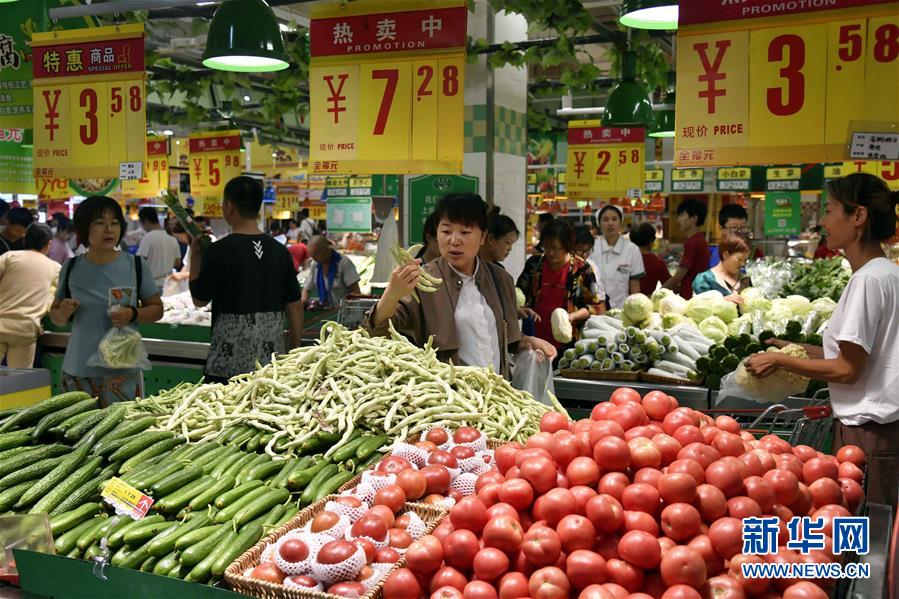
234 575
600 375
664 380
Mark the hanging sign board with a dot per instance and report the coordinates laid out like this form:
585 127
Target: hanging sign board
532 183
15 164
349 215
653 181
783 213
156 172
89 101
688 180
761 82
215 159
52 189
561 184
426 191
287 197
386 83
783 178
731 178
604 161
886 170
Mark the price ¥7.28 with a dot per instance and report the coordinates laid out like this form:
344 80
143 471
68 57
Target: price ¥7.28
425 81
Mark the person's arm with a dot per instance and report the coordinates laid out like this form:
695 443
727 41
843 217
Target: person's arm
636 270
525 282
813 351
294 312
309 286
578 316
589 301
402 282
535 343
354 289
62 310
351 278
846 369
633 286
676 279
150 310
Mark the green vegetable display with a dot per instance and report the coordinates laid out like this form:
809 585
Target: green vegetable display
818 278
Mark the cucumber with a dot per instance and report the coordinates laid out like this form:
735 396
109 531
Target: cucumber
197 450
139 535
263 504
348 450
15 439
93 552
32 472
62 490
226 499
66 543
168 562
173 482
39 410
224 464
52 419
75 432
280 479
54 478
233 548
87 491
114 415
243 438
60 429
332 484
149 564
175 501
232 510
152 475
165 541
134 559
193 537
242 476
194 554
65 521
298 480
138 443
117 538
288 515
254 442
318 442
151 451
371 460
91 533
235 468
264 470
225 483
124 429
30 455
371 445
311 490
273 516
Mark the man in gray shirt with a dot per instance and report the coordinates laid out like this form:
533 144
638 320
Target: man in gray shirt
160 249
333 275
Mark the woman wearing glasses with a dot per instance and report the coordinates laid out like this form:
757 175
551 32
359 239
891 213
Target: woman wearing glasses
726 276
733 219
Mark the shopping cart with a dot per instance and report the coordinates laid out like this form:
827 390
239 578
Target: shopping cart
353 310
811 424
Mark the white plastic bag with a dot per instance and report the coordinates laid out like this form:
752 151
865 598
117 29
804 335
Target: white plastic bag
121 349
533 373
772 389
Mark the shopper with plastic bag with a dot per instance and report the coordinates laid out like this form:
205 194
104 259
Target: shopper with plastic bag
104 293
860 357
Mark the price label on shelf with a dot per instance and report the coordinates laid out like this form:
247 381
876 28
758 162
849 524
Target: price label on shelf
654 181
215 159
731 178
89 101
156 172
386 87
783 178
688 180
761 82
604 161
126 499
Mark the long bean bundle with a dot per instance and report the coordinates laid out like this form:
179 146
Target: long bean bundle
349 380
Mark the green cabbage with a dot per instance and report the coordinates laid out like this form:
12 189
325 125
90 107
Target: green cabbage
799 306
637 307
654 322
713 328
741 325
658 295
673 304
702 306
824 307
725 310
672 320
754 300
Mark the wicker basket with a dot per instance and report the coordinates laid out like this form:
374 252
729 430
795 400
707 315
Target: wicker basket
234 575
600 375
664 380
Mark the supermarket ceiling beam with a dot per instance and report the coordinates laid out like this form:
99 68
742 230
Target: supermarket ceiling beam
295 136
162 9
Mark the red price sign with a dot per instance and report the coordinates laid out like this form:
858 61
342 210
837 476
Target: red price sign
215 159
89 101
604 161
791 86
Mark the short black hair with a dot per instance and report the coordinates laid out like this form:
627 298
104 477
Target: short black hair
148 215
694 208
562 231
729 211
93 208
37 236
19 216
583 235
430 226
304 213
544 218
500 225
61 221
463 209
60 216
643 234
245 194
4 208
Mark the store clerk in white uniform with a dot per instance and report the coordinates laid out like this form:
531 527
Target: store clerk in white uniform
860 357
619 260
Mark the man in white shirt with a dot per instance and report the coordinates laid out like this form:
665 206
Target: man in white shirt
307 227
160 249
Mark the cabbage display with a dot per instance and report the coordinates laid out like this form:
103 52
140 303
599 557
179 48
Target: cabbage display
637 308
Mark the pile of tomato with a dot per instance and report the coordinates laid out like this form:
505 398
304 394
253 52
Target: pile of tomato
644 499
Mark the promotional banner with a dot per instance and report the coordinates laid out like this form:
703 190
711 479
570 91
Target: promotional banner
15 164
386 84
89 99
426 191
156 172
349 215
215 159
731 178
762 82
783 213
604 162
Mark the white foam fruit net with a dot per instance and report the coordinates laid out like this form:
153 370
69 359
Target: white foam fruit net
348 569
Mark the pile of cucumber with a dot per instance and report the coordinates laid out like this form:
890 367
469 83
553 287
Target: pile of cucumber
213 500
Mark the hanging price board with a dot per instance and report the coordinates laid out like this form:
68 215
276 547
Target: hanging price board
653 181
52 189
604 161
215 159
386 83
156 172
89 101
208 206
287 197
688 180
783 178
886 170
762 82
732 178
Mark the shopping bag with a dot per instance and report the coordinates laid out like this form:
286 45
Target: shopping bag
532 372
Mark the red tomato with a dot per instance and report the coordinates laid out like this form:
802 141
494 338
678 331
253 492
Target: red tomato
657 405
443 458
601 411
576 532
714 563
728 443
817 468
680 521
391 496
630 415
584 568
350 590
459 549
666 545
478 589
676 487
752 586
448 576
612 453
668 447
850 470
399 538
709 432
437 479
447 592
613 484
502 509
785 485
489 494
624 574
724 476
743 507
541 546
681 591
805 590
726 423
491 476
489 564
582 495
513 585
554 421
335 552
644 453
504 533
686 434
711 503
370 526
674 420
640 549
517 492
348 500
462 452
582 471
386 555
540 472
600 429
269 573
539 441
852 491
804 452
607 546
726 535
853 454
426 445
789 462
650 476
639 431
470 513
555 505
466 434
324 521
683 565
737 464
753 464
688 466
825 491
437 436
393 465
761 492
702 453
641 497
549 583
566 446
294 550
505 455
623 395
724 587
303 581
368 547
605 512
640 521
402 584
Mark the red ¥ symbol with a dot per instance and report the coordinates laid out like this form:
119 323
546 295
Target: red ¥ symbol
711 71
336 98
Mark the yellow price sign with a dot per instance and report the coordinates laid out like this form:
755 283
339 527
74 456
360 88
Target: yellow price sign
654 181
732 178
215 159
761 82
783 178
125 498
387 88
287 197
885 169
89 101
208 206
317 210
156 172
52 189
604 161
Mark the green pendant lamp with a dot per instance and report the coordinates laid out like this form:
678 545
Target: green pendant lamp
649 14
628 104
244 37
665 111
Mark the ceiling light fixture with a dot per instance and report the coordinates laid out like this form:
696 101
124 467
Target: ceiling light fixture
628 103
244 37
649 14
665 111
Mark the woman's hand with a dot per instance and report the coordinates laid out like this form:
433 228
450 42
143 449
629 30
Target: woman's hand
120 316
734 298
763 364
525 313
181 275
68 306
537 344
403 280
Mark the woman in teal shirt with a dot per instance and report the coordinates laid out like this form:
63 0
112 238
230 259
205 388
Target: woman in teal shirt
726 277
